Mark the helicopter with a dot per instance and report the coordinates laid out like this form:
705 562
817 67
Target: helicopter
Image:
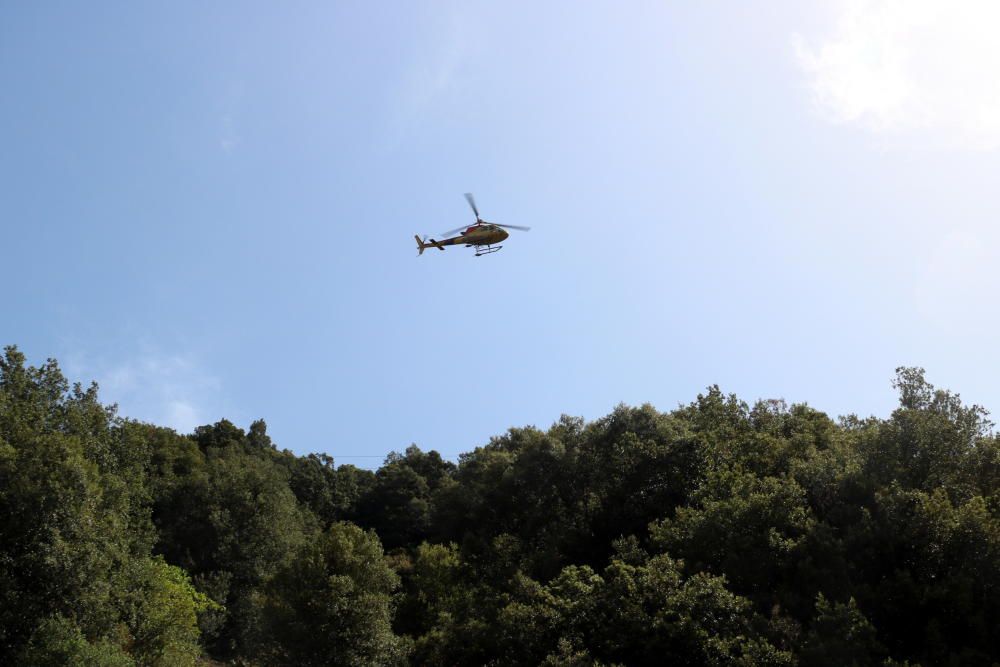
483 235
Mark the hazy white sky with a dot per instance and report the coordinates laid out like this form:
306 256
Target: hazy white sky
921 71
210 209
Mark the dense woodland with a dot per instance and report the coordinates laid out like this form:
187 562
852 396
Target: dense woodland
719 533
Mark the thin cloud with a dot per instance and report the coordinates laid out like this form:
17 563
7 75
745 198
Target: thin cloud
924 71
167 390
183 416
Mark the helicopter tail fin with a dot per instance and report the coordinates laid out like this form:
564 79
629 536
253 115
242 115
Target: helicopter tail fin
424 244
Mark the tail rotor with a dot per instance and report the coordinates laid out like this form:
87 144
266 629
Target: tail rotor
423 244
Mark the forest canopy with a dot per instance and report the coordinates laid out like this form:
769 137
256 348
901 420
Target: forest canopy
718 533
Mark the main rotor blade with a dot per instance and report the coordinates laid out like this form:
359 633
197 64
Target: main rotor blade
472 203
523 229
458 229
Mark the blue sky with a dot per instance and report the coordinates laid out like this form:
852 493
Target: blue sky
210 209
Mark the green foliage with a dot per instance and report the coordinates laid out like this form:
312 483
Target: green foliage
632 615
719 533
58 642
929 442
434 587
72 515
332 605
742 525
840 636
331 493
568 655
78 584
165 618
652 611
399 504
232 524
919 554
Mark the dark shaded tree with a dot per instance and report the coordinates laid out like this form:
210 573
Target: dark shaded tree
333 604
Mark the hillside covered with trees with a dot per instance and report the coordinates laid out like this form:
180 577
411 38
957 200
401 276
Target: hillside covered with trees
719 533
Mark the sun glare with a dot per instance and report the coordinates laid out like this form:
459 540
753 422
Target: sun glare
924 70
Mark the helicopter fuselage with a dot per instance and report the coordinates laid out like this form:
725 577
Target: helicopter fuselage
482 235
476 235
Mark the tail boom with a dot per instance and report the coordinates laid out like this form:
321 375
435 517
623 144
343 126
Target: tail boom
429 243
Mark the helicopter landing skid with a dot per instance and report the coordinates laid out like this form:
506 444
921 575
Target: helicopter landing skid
486 250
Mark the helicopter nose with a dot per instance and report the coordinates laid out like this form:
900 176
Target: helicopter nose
505 234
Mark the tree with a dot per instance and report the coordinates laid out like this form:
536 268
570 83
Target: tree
58 641
232 527
840 636
164 614
745 527
929 442
332 604
399 505
71 507
77 582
